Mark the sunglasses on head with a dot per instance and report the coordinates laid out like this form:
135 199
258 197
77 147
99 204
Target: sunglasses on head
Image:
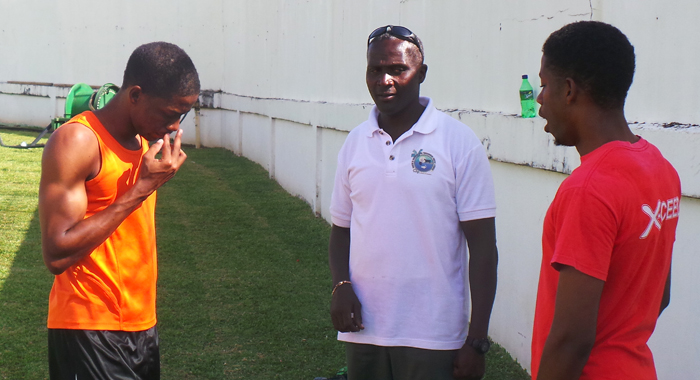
397 31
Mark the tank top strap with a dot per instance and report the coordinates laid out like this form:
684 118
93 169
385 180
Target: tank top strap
105 138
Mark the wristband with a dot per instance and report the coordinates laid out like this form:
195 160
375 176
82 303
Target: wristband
338 284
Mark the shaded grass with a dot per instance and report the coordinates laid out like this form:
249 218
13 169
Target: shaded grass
244 285
24 281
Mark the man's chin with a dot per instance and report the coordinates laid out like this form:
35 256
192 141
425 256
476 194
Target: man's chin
389 108
153 138
558 142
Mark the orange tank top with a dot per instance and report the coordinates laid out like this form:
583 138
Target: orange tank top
113 288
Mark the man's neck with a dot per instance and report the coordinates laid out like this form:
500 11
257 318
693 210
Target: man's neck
397 124
600 127
113 119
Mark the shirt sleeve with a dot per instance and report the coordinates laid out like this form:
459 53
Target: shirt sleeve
585 231
341 204
475 196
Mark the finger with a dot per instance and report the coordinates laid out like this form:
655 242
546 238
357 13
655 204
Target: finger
358 316
177 141
166 148
344 323
339 323
181 158
178 146
154 149
352 324
337 318
349 323
355 324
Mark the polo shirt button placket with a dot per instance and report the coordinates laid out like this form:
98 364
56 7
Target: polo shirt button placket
389 146
391 164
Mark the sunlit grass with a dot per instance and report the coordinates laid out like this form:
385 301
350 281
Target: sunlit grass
244 286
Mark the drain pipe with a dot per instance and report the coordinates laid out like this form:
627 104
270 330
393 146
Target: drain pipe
197 134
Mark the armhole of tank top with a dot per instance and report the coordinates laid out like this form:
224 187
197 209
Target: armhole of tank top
99 150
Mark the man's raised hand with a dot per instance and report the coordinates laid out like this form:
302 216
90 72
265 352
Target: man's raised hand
156 172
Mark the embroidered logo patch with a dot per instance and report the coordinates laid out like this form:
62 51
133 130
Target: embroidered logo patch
422 162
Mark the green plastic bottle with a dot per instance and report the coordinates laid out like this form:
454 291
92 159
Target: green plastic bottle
527 98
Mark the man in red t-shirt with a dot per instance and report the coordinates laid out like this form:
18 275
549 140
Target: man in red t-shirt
609 233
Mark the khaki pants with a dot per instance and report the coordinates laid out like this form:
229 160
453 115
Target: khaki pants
370 362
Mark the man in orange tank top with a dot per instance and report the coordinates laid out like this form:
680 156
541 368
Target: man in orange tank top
96 206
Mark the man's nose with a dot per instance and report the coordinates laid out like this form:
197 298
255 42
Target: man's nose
386 79
174 126
539 98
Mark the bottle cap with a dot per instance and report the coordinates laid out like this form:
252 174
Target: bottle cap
525 76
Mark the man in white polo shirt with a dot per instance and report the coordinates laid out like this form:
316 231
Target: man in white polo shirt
411 184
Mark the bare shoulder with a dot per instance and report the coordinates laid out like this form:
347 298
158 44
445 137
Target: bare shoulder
73 135
72 150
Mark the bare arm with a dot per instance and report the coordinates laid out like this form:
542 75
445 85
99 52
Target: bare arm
572 335
666 299
72 157
483 270
339 254
346 310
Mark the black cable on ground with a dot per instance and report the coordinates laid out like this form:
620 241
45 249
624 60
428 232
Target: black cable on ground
33 144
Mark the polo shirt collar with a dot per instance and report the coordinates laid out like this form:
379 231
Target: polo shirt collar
423 125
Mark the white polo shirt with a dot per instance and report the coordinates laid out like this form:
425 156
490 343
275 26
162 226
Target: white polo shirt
403 202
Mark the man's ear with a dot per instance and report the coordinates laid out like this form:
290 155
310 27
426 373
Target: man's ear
135 93
572 90
423 72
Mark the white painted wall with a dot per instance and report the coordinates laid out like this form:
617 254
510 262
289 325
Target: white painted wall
288 81
522 196
294 147
256 139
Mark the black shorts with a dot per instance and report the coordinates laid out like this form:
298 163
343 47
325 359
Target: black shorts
103 354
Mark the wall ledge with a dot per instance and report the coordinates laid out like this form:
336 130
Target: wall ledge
506 137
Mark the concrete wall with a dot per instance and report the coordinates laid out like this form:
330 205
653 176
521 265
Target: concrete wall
287 81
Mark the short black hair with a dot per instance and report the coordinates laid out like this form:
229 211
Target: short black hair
163 70
597 56
416 54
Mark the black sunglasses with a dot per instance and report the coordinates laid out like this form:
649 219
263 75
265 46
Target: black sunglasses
183 117
396 31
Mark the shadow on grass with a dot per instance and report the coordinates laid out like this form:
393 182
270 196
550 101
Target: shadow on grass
24 305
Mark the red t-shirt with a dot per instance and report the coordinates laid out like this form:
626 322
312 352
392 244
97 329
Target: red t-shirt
614 218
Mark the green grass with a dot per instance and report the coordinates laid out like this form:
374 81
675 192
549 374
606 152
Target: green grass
244 284
24 281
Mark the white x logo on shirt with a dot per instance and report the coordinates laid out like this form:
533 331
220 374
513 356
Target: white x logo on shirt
653 218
